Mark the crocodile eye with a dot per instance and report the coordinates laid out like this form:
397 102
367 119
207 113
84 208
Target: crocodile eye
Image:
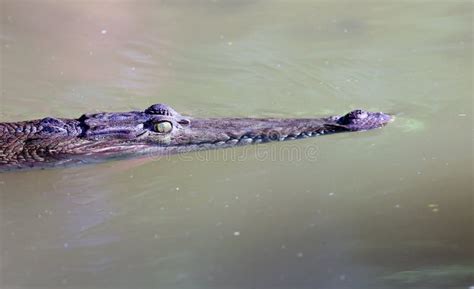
163 126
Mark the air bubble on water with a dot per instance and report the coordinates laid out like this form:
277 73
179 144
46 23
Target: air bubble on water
236 233
103 31
66 245
299 255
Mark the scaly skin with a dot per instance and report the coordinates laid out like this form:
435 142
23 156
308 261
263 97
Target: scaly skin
158 130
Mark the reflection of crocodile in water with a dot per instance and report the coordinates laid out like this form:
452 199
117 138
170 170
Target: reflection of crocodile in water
158 130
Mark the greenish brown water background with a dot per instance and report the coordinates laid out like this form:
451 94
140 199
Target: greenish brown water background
390 208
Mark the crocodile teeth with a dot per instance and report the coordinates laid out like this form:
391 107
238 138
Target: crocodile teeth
245 140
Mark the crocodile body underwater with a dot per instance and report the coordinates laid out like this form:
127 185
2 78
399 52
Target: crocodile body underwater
158 130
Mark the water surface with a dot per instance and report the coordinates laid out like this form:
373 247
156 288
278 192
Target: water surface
389 208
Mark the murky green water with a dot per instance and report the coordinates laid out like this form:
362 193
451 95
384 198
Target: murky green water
391 208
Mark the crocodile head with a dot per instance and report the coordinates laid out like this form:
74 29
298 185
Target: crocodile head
160 128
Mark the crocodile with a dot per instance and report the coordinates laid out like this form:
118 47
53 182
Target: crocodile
157 130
